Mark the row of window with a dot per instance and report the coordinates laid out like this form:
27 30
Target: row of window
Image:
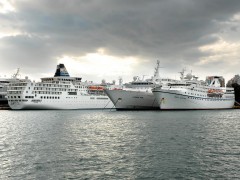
14 92
47 92
50 97
192 89
30 97
209 99
18 97
196 94
14 97
81 87
20 100
180 85
102 98
16 88
18 84
143 83
51 85
54 89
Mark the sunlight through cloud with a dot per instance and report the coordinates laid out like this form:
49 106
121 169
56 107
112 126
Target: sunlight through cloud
221 51
99 64
6 7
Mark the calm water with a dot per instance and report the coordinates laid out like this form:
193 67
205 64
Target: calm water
120 145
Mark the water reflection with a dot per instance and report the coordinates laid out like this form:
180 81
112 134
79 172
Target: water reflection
119 145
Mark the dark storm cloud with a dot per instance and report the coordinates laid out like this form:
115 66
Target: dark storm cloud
170 30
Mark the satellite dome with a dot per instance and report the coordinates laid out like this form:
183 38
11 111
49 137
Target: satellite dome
189 76
103 81
135 78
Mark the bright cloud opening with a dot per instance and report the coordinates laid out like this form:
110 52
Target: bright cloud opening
6 7
221 51
9 34
99 64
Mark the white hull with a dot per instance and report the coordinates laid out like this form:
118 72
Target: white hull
132 100
80 102
58 92
172 100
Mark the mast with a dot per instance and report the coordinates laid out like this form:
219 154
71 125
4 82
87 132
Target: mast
182 74
156 71
15 75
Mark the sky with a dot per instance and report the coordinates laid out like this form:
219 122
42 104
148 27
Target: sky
108 39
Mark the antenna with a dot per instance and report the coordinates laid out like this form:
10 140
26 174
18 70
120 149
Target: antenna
15 75
182 73
156 72
143 77
120 81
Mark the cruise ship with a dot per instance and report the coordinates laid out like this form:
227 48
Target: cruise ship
137 95
58 92
190 93
3 90
4 82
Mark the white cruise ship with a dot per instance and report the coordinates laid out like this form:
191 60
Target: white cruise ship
137 94
189 93
58 92
4 82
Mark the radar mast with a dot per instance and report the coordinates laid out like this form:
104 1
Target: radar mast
17 74
156 72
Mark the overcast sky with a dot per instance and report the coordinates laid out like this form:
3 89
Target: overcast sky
106 39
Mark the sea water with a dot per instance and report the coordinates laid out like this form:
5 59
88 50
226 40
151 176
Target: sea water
96 144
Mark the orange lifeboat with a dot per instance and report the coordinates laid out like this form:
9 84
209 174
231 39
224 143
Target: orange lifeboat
100 88
211 91
96 88
92 87
217 91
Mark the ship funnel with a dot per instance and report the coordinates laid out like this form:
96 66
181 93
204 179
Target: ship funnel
61 71
215 81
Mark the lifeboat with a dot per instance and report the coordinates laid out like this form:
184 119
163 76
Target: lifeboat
95 88
100 88
92 87
216 91
211 91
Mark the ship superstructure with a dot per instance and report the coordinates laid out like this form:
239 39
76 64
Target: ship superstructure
4 82
190 93
137 94
58 92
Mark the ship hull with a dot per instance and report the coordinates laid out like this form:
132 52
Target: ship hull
3 99
84 102
132 100
172 100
